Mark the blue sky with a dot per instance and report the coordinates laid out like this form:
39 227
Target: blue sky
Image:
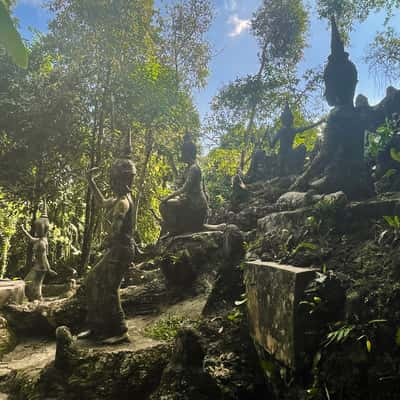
235 50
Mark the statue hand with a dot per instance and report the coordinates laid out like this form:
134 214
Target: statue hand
90 172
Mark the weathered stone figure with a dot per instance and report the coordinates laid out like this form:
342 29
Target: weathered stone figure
340 164
185 210
290 160
41 267
240 193
258 170
105 317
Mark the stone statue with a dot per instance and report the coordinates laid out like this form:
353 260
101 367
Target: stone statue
240 192
290 160
258 170
41 267
185 210
340 165
185 377
105 317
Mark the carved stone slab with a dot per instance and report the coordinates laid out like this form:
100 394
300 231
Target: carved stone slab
273 293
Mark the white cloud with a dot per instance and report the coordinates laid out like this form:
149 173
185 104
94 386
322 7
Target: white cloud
239 25
230 5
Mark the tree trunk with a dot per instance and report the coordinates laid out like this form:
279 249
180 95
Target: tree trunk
95 159
252 114
142 177
89 209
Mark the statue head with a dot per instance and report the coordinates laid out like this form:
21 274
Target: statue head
188 350
287 116
123 171
41 225
259 157
362 101
340 73
189 149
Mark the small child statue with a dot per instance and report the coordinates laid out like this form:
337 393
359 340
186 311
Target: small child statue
41 267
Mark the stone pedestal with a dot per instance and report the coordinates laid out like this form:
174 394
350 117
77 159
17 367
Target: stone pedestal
11 292
273 293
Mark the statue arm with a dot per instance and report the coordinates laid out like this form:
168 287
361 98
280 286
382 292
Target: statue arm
100 199
307 128
174 194
28 235
189 182
275 139
120 211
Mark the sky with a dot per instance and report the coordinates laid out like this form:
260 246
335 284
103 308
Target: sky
235 50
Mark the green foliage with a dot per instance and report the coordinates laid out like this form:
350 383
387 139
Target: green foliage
280 28
10 39
393 222
10 212
219 166
340 335
378 142
70 109
168 327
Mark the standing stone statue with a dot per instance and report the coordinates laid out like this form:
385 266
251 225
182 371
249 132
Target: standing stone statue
185 210
105 317
290 160
41 267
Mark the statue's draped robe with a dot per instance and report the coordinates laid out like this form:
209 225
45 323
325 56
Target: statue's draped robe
105 316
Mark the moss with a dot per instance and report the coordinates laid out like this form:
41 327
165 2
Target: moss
167 328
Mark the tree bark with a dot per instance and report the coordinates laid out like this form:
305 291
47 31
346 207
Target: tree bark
142 178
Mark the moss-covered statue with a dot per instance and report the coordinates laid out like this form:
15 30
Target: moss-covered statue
290 160
105 317
41 267
185 210
340 165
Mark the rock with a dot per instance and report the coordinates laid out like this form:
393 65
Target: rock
275 222
293 200
228 285
338 199
11 292
185 257
61 290
273 294
184 377
91 375
7 338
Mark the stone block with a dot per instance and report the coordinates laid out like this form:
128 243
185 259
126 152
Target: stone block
273 294
11 292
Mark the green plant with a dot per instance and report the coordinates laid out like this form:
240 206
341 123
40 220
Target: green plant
167 327
339 335
377 142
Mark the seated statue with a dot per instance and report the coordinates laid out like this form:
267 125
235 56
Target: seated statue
41 267
258 170
291 161
186 209
105 317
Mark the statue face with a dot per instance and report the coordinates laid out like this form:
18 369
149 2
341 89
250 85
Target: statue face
340 78
189 153
122 174
41 227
